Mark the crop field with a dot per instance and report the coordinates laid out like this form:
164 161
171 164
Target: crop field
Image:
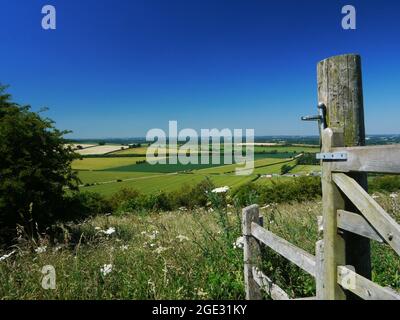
169 168
291 149
104 163
304 169
231 168
273 169
99 150
90 177
111 173
140 151
77 146
166 182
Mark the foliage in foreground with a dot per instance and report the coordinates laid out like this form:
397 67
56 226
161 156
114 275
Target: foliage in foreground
34 168
174 255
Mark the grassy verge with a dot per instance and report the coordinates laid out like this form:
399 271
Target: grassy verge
172 255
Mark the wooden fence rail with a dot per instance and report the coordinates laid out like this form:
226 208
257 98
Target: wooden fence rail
341 265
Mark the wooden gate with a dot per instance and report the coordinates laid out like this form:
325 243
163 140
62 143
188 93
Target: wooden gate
351 217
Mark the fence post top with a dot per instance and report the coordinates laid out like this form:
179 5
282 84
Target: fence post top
341 56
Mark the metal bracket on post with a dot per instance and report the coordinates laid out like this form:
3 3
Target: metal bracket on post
335 156
321 118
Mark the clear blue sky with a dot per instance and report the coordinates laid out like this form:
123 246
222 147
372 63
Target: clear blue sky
117 68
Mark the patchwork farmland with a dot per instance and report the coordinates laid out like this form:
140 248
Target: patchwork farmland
127 168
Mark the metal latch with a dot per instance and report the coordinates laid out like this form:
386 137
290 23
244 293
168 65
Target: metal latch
332 156
321 118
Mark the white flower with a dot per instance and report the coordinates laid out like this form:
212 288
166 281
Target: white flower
106 269
160 250
182 237
124 247
239 244
200 292
41 249
394 195
109 231
7 255
221 190
58 248
153 235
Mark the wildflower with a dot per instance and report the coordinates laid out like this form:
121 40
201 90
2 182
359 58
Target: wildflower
124 247
153 235
394 195
201 293
106 269
58 248
109 231
239 243
41 249
7 255
182 237
221 190
160 250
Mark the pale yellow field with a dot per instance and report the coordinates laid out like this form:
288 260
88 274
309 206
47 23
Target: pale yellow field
104 163
99 150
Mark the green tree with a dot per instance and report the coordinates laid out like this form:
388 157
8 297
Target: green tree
34 168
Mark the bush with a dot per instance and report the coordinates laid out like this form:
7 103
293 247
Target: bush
297 189
81 205
385 183
34 168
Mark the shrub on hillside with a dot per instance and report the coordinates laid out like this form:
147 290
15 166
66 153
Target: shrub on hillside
81 205
35 168
296 189
193 196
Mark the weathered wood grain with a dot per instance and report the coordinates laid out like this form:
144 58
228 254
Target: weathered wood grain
251 252
298 256
383 223
340 89
355 223
373 159
319 269
266 284
334 247
363 287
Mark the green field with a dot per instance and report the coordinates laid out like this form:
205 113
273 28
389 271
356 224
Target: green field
141 151
89 177
107 175
304 169
294 149
166 182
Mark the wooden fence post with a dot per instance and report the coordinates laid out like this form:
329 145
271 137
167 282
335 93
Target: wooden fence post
251 252
340 90
319 267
